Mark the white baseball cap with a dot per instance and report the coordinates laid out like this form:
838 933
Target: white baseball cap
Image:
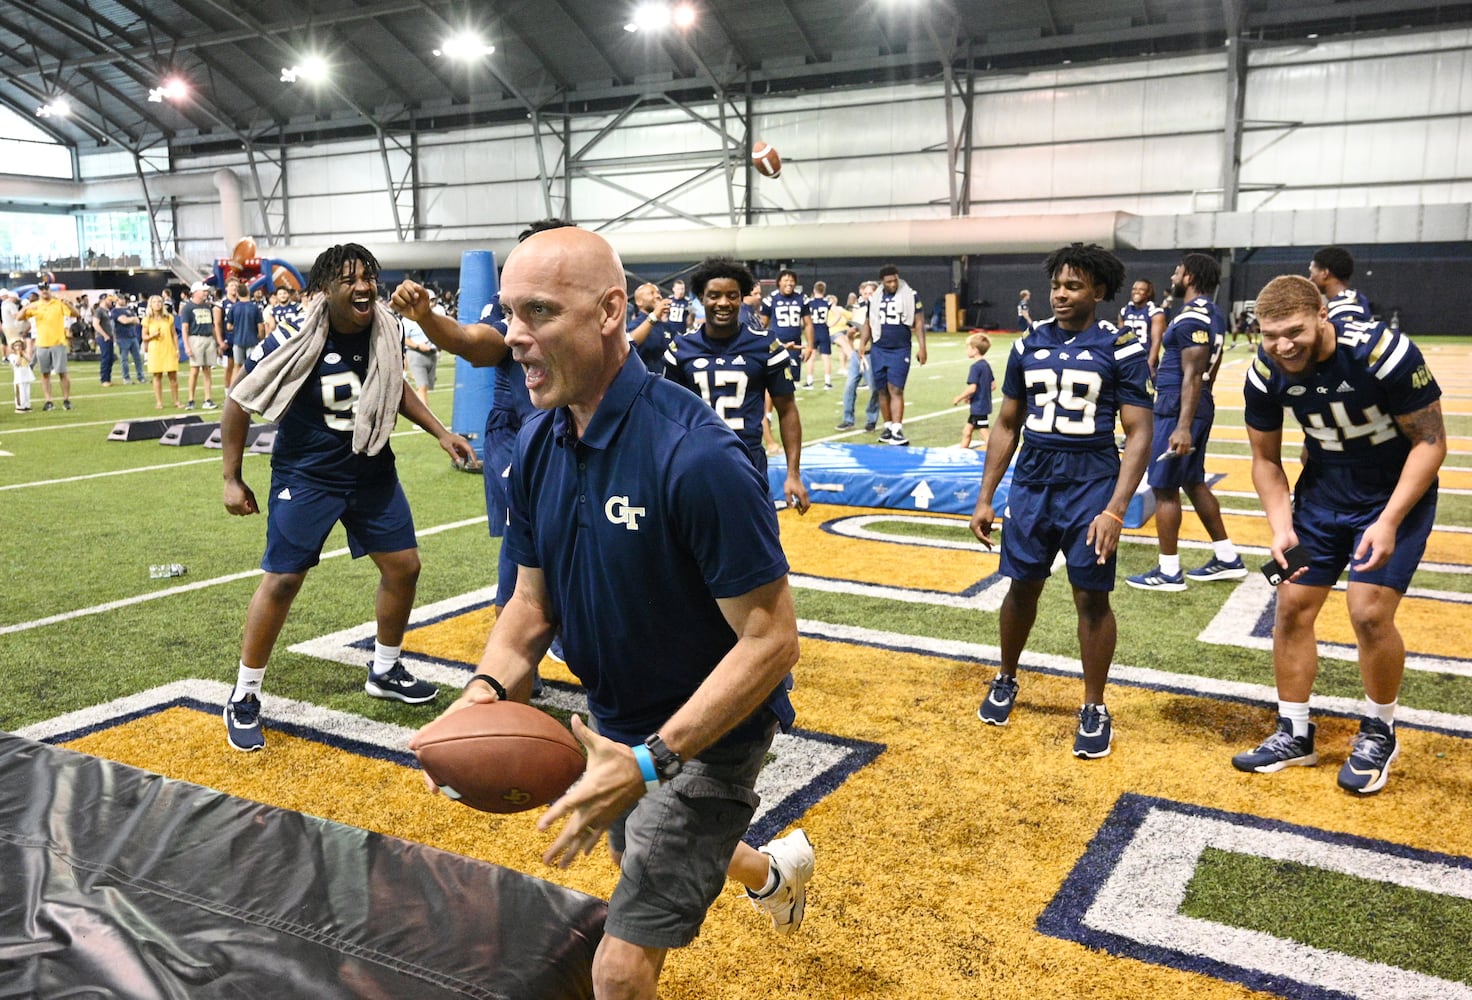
198 286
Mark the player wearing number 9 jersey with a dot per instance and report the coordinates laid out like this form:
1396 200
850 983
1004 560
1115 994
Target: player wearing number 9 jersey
733 367
1373 442
1066 382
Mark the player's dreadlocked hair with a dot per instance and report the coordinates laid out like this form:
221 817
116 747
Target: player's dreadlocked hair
1088 258
1205 272
542 225
721 267
333 262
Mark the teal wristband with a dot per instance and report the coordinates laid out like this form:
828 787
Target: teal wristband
646 767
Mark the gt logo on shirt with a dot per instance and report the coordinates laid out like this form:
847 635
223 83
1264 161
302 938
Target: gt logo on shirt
618 511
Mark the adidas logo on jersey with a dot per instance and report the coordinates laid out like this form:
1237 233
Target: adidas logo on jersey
285 493
1344 387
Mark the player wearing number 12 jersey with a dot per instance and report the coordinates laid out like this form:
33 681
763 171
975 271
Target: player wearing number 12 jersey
733 367
1066 381
1373 442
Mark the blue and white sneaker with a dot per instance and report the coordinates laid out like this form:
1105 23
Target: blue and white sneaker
399 685
1095 733
1217 569
1368 767
243 724
1280 750
1157 579
1000 697
792 860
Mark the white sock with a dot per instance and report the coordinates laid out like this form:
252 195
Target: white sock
1296 712
1170 565
899 428
384 658
774 879
247 681
1385 713
1225 550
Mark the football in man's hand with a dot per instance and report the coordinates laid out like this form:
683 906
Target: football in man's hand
500 757
766 160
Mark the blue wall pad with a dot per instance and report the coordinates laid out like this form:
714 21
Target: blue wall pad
944 480
475 388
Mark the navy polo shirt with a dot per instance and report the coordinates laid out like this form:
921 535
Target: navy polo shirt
638 527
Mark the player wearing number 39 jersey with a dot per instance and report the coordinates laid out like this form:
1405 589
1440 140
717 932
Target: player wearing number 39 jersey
1066 382
1373 442
733 367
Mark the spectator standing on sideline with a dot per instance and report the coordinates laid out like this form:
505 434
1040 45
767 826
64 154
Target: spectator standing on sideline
683 717
858 366
422 358
1024 312
48 314
1071 487
10 316
105 338
163 351
1374 442
126 330
335 389
203 342
243 322
18 356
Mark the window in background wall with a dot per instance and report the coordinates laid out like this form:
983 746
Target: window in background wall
29 151
29 240
116 239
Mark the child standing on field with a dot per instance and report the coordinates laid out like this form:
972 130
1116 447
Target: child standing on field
20 362
978 390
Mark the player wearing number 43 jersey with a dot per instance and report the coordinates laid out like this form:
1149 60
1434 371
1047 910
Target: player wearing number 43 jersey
1373 442
733 367
1066 382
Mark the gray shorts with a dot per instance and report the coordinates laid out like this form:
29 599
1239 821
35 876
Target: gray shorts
51 359
203 352
238 353
677 844
422 367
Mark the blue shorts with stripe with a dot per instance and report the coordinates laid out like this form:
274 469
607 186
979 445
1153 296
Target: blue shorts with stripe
1175 471
1041 521
300 517
1330 537
889 368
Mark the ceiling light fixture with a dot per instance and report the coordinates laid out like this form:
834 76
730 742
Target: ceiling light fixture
465 46
650 17
312 69
57 107
172 89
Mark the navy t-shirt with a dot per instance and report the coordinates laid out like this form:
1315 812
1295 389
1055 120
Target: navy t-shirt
314 441
639 526
1353 450
1074 385
242 322
981 377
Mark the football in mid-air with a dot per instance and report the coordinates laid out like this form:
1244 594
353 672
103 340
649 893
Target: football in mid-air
766 160
501 757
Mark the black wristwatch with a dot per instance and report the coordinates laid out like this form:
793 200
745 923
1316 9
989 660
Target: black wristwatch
666 762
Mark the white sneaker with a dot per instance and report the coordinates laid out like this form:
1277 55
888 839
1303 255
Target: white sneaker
793 860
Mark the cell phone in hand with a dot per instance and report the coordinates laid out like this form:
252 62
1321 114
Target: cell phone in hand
1277 572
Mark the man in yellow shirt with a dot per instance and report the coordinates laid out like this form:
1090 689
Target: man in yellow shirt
48 315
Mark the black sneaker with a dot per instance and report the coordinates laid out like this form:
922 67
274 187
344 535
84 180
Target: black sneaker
1280 750
847 425
189 405
66 404
399 685
1001 695
886 436
49 406
1368 766
243 724
869 427
898 438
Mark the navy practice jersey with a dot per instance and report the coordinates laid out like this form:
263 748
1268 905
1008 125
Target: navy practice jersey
784 315
288 315
887 326
314 442
731 375
1199 324
818 309
981 377
1348 306
681 312
1074 385
652 350
1138 319
640 525
1354 452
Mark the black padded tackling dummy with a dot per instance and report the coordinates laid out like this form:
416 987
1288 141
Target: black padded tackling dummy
186 434
252 435
148 429
122 883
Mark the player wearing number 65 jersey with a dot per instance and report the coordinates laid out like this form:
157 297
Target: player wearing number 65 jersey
1066 382
733 367
1373 442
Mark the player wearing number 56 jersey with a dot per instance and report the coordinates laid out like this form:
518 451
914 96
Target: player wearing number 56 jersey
1066 382
733 367
1373 442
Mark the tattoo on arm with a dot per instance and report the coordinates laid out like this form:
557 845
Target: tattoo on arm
1424 426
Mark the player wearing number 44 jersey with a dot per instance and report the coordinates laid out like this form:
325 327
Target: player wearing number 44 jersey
733 367
1067 379
1373 442
335 387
